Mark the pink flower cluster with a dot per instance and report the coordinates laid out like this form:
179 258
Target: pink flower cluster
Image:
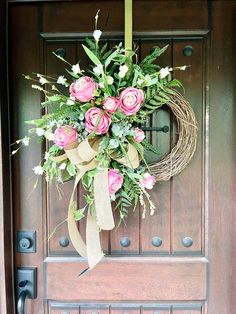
129 102
97 121
83 89
147 181
65 135
115 181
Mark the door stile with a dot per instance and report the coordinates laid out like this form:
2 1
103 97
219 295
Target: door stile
6 242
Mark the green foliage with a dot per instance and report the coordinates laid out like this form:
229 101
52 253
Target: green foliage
147 63
113 70
149 147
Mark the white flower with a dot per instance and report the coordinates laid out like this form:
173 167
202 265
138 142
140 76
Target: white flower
39 131
76 69
123 70
62 166
38 170
70 102
183 68
164 72
110 80
46 155
140 82
61 80
14 151
52 123
98 69
101 85
25 141
37 87
97 34
42 80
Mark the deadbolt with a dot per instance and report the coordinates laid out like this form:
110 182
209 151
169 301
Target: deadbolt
26 241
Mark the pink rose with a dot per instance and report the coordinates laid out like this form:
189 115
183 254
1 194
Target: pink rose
130 100
97 120
139 135
65 135
111 104
115 180
83 89
147 181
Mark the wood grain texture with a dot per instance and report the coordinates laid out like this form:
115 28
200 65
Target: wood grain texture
151 278
24 105
188 187
6 226
222 171
159 224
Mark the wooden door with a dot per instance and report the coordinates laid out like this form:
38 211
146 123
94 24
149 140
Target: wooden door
177 261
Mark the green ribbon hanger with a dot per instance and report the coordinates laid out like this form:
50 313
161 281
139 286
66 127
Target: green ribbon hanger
128 24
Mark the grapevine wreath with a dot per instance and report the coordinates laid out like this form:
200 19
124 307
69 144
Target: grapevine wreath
92 124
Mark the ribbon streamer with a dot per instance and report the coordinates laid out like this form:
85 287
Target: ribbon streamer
128 24
82 155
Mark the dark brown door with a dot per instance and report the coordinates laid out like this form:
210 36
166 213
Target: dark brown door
187 271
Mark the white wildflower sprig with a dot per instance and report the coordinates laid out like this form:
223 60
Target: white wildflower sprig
76 69
123 69
34 86
38 170
165 72
97 34
62 80
43 80
21 142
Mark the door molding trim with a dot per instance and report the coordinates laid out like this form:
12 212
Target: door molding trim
6 225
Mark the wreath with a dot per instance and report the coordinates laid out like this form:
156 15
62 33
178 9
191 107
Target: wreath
93 122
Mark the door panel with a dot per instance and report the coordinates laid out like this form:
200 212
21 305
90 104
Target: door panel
125 308
164 269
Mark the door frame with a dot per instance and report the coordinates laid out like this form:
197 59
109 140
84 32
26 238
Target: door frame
226 227
7 300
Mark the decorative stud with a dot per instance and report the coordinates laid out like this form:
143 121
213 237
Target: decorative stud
64 241
156 241
188 51
125 242
187 241
60 52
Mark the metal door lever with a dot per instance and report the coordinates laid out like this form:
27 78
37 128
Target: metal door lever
26 280
22 296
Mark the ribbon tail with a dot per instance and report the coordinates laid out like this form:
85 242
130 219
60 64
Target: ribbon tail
103 207
94 251
74 234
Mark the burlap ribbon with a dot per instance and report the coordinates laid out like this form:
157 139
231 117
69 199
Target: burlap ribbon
82 155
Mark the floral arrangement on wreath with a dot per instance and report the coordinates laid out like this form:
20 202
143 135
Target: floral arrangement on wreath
94 133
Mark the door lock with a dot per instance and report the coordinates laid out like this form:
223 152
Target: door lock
26 241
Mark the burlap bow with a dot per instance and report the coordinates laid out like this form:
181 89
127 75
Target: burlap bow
82 155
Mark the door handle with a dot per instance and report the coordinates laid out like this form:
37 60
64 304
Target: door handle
21 300
163 129
26 286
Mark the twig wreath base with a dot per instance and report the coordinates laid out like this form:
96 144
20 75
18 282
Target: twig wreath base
182 153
